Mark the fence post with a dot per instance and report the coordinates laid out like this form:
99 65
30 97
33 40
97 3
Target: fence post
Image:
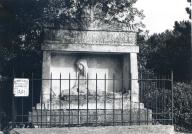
105 100
172 114
51 102
113 99
78 118
122 100
130 114
139 112
96 100
13 102
69 99
41 96
22 106
60 99
87 98
32 98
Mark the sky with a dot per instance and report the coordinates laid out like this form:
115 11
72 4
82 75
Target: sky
161 14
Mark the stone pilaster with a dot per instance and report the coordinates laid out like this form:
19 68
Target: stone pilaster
134 77
46 75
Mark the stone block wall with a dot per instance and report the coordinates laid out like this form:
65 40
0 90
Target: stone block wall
56 118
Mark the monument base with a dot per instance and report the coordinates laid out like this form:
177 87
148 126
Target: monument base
111 109
91 117
108 101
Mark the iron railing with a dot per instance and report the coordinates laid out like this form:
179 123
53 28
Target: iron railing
110 109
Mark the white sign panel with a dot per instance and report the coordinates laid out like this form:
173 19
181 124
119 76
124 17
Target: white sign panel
21 87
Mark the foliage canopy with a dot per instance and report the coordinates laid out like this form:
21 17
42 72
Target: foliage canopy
168 51
22 23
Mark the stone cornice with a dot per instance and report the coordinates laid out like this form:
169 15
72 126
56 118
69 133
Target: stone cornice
91 48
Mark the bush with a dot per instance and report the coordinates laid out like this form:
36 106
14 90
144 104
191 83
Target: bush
183 106
159 100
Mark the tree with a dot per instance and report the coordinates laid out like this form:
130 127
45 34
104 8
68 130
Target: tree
142 37
170 50
74 13
22 24
22 32
21 37
164 52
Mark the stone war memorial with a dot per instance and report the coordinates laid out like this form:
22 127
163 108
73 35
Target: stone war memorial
76 67
90 77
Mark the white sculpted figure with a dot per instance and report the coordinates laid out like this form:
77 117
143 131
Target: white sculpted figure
81 84
82 68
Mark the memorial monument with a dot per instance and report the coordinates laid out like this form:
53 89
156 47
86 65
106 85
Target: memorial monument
87 53
90 69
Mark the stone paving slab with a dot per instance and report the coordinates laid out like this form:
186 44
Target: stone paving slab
150 129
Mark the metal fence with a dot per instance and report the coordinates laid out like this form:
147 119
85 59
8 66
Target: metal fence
96 109
157 95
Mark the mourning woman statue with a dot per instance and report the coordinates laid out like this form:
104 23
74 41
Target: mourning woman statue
81 77
82 69
80 84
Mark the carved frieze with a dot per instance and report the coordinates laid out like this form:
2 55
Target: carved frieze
92 37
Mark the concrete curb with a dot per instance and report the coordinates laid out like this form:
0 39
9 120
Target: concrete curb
143 129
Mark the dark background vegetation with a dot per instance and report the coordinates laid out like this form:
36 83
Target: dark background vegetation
171 51
21 35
